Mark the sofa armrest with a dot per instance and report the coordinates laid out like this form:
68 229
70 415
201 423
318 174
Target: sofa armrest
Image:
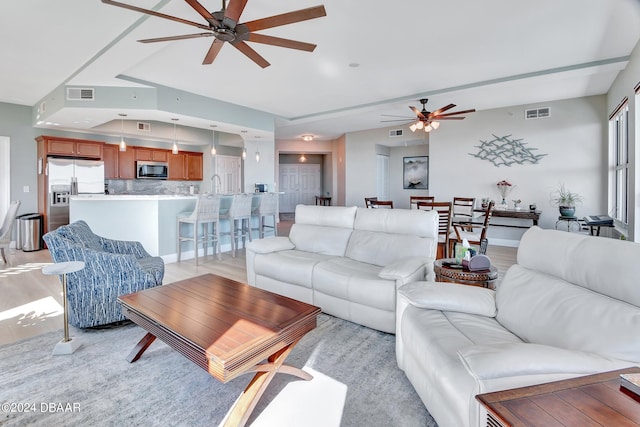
490 362
451 297
266 246
403 269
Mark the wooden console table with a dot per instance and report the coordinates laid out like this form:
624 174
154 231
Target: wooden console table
225 327
592 400
533 216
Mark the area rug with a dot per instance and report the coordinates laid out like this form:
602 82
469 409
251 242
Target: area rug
356 383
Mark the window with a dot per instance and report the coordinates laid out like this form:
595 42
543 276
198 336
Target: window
382 177
619 140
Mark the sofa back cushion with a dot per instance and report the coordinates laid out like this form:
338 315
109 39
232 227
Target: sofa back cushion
574 291
383 236
322 229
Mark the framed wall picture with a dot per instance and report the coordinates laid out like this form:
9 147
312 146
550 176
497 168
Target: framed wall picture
415 173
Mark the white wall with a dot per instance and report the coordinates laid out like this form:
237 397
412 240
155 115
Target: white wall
262 171
574 139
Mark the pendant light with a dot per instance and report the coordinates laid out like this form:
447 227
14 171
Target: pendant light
123 145
244 153
213 142
257 156
174 149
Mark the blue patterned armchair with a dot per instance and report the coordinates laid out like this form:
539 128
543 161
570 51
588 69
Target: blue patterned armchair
112 268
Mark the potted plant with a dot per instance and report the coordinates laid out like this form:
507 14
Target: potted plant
566 201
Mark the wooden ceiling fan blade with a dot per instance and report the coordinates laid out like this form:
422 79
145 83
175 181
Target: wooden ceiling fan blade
250 53
286 18
442 110
171 38
418 112
234 10
203 12
438 118
277 41
154 13
213 52
457 112
397 120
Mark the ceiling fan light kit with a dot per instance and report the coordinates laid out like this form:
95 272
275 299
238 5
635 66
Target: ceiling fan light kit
223 25
429 120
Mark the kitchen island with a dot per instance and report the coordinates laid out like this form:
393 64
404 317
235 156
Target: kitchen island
148 219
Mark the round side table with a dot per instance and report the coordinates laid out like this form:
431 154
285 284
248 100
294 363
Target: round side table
484 278
570 221
67 345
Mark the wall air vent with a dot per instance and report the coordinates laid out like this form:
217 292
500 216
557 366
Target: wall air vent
80 94
143 127
537 113
395 133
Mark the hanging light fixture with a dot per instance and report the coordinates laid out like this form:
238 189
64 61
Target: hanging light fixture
257 156
174 149
302 158
213 142
428 126
123 145
244 153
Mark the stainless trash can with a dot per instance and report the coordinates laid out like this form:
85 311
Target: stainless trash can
30 231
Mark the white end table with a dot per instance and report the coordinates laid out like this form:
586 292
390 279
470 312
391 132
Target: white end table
67 345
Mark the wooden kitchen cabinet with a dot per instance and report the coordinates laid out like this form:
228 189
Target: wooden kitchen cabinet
69 147
151 154
110 158
186 166
127 164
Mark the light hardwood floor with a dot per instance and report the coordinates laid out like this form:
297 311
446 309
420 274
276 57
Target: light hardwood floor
31 303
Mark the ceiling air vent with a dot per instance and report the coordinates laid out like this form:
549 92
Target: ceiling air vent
395 133
537 113
80 94
143 127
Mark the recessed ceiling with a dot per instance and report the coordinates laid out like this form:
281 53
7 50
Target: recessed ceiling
481 55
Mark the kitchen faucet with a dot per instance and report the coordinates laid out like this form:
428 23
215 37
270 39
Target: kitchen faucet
215 188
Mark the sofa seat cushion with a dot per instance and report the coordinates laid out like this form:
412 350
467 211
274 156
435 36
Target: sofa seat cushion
291 266
355 281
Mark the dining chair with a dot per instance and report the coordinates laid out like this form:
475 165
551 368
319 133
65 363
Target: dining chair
444 224
384 204
413 200
368 200
475 233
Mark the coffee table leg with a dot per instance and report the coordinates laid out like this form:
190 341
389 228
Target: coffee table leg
141 347
264 374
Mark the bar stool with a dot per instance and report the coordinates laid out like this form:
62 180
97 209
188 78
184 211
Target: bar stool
206 212
239 213
267 206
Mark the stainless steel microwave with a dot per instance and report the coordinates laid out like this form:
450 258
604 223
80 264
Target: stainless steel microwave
152 170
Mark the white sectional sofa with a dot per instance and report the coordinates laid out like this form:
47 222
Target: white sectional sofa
349 261
569 307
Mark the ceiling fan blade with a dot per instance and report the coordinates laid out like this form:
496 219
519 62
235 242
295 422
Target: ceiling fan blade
286 18
402 117
442 110
154 13
438 118
213 52
277 41
171 38
457 112
203 12
233 12
418 112
397 120
250 53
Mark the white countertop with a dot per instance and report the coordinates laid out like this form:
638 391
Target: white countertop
131 197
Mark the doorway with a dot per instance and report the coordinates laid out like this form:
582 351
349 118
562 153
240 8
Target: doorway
300 183
229 171
5 175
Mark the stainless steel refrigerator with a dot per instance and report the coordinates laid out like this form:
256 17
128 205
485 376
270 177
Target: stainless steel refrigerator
67 177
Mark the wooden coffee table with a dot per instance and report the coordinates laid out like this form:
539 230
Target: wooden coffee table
225 327
592 400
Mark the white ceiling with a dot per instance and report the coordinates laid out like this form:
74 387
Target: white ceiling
476 54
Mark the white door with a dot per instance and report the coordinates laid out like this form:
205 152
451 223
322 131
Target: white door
5 176
300 185
229 169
